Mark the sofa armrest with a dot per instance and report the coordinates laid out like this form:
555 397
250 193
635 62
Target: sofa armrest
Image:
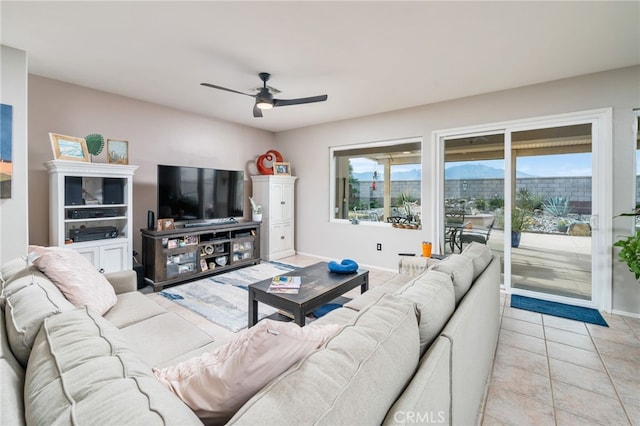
123 281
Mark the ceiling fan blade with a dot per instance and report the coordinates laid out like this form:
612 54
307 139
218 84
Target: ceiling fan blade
285 102
225 89
257 112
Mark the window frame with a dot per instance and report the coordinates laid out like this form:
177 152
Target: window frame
367 145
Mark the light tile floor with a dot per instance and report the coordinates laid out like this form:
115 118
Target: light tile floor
554 371
547 370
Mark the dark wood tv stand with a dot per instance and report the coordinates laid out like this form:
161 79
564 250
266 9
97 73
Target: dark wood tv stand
183 254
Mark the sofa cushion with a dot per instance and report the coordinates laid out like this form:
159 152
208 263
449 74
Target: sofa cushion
215 385
12 379
375 356
480 255
76 277
427 399
12 267
461 270
433 294
11 404
209 347
371 296
148 338
132 308
340 316
30 298
81 371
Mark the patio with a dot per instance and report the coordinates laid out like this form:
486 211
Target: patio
550 263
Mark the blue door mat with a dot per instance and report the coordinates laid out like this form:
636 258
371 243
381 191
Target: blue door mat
576 313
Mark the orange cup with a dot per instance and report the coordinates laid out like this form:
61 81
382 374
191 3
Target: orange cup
426 249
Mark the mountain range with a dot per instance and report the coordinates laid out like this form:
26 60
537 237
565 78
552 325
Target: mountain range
463 171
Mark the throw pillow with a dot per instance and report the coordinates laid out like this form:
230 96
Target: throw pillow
215 385
76 277
461 270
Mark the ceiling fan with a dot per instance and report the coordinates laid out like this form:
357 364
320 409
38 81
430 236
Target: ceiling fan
264 98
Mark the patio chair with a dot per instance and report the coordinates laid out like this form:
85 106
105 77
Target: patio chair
454 221
478 235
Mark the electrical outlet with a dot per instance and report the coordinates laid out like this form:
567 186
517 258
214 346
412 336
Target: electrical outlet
379 246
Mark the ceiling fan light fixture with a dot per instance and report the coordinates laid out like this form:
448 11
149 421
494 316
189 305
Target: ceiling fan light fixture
264 97
262 104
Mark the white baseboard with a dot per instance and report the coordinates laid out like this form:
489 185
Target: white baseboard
327 259
625 314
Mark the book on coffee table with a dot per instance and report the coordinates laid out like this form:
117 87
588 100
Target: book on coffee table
285 284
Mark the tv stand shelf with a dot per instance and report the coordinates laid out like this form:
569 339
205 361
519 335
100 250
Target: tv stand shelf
183 254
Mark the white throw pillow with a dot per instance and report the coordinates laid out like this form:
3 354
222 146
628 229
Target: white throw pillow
215 385
76 277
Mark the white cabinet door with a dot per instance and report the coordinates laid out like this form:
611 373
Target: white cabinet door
281 240
281 198
92 254
107 258
287 202
276 203
114 258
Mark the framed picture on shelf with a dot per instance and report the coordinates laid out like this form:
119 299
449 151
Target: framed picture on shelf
164 224
69 148
203 265
190 240
117 151
283 169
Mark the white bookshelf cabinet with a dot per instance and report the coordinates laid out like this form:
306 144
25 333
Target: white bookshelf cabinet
91 211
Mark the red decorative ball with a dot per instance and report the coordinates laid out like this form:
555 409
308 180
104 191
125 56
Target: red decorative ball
271 155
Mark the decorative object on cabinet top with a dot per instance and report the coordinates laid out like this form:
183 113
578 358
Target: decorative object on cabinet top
272 156
95 143
69 148
118 151
281 169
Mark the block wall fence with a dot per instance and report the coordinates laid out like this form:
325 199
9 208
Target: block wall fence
576 189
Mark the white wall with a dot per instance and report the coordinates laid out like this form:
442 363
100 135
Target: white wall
14 232
162 135
156 135
308 151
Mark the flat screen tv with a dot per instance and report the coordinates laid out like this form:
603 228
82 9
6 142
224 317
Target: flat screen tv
196 194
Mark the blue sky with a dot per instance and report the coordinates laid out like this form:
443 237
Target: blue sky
543 166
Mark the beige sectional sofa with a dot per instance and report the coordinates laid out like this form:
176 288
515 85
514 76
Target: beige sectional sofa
417 350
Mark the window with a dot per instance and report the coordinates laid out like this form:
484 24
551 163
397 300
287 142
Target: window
377 182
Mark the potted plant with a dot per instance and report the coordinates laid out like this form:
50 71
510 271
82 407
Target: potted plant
520 221
526 204
256 211
630 248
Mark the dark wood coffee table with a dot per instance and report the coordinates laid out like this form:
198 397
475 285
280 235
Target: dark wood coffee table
319 286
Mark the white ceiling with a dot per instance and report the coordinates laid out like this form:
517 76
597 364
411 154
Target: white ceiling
369 57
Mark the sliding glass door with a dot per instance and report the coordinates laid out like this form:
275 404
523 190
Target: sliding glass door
536 193
551 245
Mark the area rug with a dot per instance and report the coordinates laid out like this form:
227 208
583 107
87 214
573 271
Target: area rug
577 313
223 299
